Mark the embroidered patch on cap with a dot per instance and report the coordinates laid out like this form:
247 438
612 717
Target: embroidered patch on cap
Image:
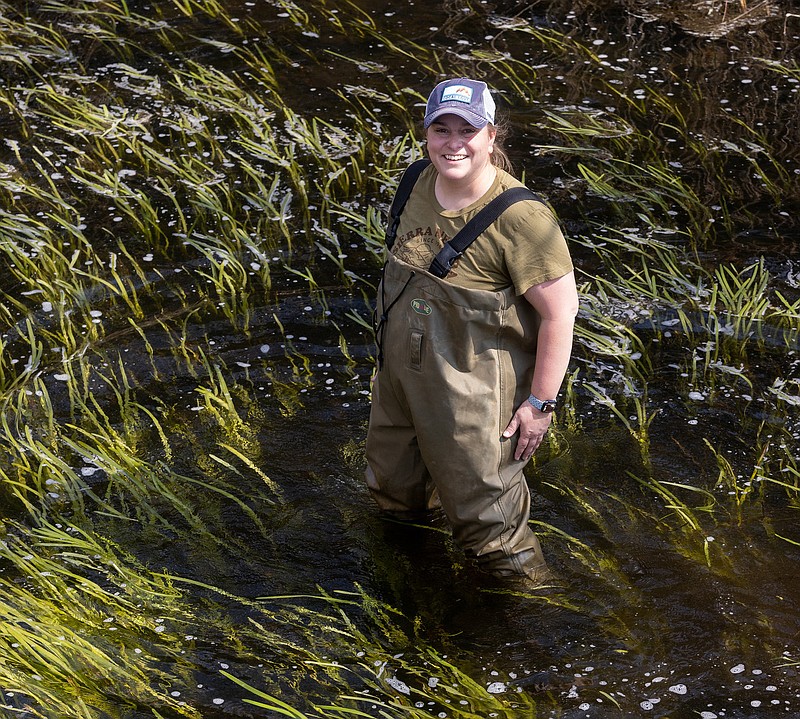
459 93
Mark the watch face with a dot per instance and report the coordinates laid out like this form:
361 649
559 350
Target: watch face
548 405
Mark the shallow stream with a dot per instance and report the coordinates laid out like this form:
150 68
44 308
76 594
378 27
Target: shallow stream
191 198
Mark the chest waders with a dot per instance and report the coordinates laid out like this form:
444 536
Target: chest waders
456 363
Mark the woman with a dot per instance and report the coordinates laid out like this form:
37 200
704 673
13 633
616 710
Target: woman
472 363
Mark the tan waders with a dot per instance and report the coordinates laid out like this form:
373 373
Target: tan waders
454 363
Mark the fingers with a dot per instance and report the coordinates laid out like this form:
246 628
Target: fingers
532 426
526 447
512 427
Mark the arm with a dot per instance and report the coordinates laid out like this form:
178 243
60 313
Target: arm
556 301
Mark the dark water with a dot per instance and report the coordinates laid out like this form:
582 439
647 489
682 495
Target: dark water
644 625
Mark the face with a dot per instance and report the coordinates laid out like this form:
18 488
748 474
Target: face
460 152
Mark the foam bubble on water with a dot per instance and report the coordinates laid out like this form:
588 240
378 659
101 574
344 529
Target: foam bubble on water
47 306
61 377
738 669
678 689
496 688
398 685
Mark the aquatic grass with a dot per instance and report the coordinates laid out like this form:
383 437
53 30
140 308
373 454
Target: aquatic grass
518 74
637 424
316 291
369 226
218 399
779 67
76 638
579 550
646 189
130 486
229 279
214 9
372 665
26 44
11 378
758 154
739 489
404 47
688 527
624 157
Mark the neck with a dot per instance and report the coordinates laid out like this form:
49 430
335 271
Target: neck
456 195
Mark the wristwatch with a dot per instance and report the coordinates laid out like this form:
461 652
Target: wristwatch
548 405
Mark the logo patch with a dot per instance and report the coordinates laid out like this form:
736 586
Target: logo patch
421 307
458 93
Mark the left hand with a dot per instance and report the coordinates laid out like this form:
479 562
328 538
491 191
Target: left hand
532 425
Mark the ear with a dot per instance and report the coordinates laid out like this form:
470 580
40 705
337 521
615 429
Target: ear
492 135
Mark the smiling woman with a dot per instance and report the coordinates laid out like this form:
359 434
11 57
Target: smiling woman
469 388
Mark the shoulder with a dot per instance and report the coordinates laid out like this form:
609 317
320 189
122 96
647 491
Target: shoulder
532 215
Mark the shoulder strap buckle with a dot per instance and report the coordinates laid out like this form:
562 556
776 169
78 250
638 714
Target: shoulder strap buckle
454 248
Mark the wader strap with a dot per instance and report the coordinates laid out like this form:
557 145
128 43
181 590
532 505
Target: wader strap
407 182
452 250
380 323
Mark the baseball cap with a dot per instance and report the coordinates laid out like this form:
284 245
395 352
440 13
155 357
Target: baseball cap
469 99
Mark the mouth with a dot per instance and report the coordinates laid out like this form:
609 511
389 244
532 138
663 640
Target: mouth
455 158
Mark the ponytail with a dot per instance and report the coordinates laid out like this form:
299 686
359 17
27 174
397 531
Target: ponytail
499 156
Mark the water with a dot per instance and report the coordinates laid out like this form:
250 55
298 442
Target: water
676 560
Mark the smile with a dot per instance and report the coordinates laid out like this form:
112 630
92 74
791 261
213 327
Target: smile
455 157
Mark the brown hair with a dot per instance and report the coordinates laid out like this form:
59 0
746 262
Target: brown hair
499 156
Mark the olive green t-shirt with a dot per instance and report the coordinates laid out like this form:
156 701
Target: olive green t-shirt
522 248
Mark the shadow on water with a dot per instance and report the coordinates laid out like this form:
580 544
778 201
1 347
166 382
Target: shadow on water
191 221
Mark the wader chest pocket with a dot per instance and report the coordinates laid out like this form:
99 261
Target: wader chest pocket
415 358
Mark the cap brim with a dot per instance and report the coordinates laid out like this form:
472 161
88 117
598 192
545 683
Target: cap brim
462 112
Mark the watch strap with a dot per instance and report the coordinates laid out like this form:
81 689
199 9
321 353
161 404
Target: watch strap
547 405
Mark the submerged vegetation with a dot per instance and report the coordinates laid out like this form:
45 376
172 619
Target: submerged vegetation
192 197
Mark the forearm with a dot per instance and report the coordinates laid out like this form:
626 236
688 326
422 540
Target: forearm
553 352
556 301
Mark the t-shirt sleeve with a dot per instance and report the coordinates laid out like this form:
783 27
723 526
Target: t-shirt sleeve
535 249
